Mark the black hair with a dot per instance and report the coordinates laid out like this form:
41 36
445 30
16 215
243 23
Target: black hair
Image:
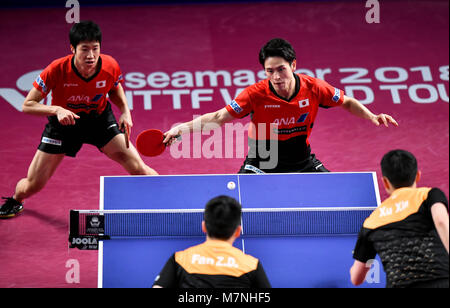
277 47
399 167
85 31
222 216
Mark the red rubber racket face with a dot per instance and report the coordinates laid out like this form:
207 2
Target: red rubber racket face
150 142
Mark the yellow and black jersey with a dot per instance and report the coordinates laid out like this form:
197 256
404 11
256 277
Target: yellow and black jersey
213 264
402 232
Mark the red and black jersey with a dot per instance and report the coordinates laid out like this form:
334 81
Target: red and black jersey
402 232
72 91
288 121
213 264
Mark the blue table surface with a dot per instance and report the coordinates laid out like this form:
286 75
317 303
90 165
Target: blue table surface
303 261
253 191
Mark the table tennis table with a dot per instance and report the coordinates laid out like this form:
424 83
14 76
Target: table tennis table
317 254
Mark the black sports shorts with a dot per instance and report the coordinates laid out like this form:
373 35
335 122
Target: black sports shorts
92 128
311 164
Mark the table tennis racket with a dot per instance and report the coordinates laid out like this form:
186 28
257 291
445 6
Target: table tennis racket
150 142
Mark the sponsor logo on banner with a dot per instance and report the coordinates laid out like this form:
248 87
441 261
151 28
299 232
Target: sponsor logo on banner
424 84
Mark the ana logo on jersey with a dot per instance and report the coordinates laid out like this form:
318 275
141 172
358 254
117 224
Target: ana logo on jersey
303 103
284 121
78 98
100 84
291 120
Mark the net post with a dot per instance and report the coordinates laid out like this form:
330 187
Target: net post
74 223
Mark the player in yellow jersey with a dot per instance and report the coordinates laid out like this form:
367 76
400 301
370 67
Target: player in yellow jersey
216 263
409 230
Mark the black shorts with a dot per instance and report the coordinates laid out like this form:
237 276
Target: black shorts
93 128
311 164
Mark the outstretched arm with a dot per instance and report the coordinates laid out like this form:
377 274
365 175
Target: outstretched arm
213 120
353 106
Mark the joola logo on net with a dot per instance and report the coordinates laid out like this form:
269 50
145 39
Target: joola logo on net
84 241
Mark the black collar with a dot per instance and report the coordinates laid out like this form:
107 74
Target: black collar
99 67
297 89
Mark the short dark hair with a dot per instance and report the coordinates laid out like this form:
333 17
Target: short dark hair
85 30
277 47
399 167
222 216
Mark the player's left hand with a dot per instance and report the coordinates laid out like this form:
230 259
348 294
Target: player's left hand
385 119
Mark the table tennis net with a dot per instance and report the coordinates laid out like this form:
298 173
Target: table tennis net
187 223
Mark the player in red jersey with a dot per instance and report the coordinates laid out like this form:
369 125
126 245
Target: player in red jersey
283 109
80 113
